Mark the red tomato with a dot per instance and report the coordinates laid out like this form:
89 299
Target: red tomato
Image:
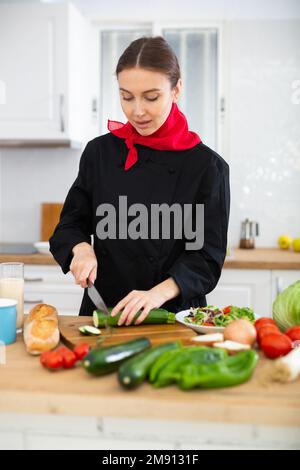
266 329
81 350
62 350
263 321
227 310
43 358
274 345
54 360
293 333
69 359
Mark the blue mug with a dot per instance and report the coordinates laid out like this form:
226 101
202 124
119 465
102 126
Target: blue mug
8 320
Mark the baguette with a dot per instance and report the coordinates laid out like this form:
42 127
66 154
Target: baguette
41 331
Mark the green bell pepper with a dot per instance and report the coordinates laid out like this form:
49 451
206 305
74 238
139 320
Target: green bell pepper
233 370
160 363
171 369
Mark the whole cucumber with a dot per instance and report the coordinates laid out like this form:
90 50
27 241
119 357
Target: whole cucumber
134 371
155 316
105 360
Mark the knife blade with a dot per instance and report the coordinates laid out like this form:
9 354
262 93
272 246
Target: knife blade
99 304
97 299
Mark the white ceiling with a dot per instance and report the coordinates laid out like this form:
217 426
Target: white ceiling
164 9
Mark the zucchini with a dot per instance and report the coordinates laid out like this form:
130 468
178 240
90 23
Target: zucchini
105 360
155 316
134 371
89 330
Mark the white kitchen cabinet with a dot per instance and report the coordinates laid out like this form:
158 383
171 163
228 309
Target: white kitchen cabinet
48 72
245 288
47 284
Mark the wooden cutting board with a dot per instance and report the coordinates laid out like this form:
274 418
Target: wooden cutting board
158 334
50 213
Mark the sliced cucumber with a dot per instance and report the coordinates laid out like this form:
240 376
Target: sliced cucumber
89 330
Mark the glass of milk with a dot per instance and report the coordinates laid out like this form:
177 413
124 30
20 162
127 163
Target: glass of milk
12 286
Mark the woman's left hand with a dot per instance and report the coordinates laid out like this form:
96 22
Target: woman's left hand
135 301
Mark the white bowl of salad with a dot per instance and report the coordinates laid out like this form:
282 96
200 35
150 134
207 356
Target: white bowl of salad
212 319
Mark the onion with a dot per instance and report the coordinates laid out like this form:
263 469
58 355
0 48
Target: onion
241 331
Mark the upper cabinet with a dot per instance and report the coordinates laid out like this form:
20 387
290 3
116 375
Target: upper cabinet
48 73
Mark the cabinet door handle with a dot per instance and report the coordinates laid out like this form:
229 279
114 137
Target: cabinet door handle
278 285
33 279
33 301
62 112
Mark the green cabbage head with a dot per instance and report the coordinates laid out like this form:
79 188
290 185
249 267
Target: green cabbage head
286 307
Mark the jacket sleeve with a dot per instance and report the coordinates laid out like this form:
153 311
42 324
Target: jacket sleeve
75 224
197 271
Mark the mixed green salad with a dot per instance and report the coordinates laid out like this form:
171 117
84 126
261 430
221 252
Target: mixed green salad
214 316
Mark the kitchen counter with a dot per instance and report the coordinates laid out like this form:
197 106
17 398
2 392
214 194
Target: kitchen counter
259 258
25 387
263 258
35 258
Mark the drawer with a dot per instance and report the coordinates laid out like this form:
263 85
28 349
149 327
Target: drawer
69 301
37 274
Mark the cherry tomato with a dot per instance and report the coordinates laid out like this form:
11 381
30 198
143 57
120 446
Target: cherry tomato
266 329
43 358
293 333
263 321
53 360
227 310
81 350
274 345
69 359
62 350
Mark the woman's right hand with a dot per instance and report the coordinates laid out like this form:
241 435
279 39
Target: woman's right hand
84 264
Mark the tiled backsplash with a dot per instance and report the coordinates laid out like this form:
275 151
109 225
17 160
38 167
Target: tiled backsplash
262 143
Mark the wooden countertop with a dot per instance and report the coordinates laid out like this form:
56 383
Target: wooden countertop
26 387
35 258
263 258
259 258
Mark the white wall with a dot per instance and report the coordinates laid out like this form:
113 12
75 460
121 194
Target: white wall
264 123
28 178
263 142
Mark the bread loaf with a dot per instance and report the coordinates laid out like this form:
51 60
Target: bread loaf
41 331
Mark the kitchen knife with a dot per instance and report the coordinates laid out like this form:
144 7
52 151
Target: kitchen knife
99 303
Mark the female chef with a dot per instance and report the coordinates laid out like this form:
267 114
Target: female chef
152 161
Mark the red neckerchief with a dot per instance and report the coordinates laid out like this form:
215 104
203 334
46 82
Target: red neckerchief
173 134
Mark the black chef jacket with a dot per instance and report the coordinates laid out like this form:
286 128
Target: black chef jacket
194 176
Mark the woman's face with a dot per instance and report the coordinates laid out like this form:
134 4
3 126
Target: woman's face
146 98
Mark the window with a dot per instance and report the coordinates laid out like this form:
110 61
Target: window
197 53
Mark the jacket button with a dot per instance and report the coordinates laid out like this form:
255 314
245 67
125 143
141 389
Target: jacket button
151 258
171 171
